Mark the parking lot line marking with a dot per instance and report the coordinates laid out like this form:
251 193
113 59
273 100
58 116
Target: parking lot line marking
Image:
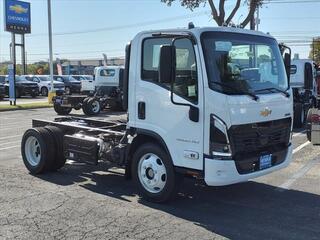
299 133
6 148
297 149
300 173
8 137
8 143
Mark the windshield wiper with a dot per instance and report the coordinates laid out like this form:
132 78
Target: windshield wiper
252 95
275 89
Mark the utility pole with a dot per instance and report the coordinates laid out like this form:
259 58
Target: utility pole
258 19
50 95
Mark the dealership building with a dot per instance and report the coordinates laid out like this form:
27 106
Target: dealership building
86 66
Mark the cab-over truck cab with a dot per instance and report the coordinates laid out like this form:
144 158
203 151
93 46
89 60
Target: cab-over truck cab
213 103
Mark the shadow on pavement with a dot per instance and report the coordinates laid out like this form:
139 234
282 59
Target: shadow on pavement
243 211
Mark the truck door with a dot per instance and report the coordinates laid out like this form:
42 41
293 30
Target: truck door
155 110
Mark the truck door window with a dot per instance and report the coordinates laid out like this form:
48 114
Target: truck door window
186 83
186 80
107 73
150 58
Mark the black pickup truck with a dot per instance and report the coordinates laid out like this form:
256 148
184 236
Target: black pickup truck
23 87
2 87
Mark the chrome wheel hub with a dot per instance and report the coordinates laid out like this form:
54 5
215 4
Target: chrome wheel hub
33 151
95 106
152 173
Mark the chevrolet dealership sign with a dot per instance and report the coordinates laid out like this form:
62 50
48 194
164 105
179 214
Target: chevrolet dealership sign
17 16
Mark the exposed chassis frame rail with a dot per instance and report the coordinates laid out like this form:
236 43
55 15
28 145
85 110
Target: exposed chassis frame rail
115 128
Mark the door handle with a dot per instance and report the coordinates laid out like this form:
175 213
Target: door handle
142 110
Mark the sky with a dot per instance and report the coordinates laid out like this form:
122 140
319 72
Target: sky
88 28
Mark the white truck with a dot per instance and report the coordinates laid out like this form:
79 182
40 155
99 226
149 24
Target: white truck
104 90
305 89
211 103
106 79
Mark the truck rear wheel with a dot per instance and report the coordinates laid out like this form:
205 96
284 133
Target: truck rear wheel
299 116
37 149
153 173
61 110
57 135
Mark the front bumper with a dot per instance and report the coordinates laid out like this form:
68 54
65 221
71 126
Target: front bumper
224 172
2 91
29 91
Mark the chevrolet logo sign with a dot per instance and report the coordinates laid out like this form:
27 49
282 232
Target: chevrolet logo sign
18 9
266 112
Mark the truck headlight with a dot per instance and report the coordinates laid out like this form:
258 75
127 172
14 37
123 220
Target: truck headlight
219 141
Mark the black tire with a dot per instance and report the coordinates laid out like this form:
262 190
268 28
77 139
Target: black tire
44 91
308 124
172 179
89 108
59 159
94 106
68 90
298 120
84 106
61 110
46 146
18 94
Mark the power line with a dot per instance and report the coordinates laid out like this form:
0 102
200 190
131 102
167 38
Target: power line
120 27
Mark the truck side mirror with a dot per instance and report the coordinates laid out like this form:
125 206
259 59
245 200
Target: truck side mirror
166 64
308 76
287 64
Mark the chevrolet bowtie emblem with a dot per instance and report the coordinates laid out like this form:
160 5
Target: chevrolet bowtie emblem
18 9
266 112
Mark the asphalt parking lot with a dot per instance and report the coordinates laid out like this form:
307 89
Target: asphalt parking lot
96 202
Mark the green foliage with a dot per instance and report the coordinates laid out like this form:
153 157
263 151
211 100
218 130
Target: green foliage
315 50
218 9
41 68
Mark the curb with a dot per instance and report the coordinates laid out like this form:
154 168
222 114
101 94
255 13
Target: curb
23 108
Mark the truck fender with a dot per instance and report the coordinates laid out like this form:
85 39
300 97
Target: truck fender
142 136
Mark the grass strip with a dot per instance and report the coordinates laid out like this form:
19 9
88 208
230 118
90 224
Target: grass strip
24 106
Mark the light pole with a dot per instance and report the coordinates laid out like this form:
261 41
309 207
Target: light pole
51 93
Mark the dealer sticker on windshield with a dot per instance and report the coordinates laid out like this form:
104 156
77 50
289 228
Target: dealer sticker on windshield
265 161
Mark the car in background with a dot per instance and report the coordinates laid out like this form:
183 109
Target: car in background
71 84
2 87
83 77
44 84
23 87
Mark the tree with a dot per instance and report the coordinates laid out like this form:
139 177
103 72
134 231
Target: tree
219 14
315 50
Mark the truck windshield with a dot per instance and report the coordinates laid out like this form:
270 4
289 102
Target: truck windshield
243 63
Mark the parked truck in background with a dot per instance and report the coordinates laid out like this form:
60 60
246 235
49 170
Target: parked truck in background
103 91
211 103
305 89
106 81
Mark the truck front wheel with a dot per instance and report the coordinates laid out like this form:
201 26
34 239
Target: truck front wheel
299 116
153 173
91 106
309 124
